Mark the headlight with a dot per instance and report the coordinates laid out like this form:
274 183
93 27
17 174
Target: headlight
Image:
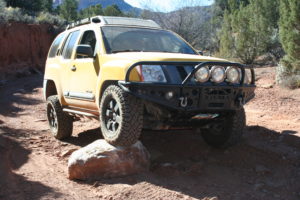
217 74
151 73
233 74
202 75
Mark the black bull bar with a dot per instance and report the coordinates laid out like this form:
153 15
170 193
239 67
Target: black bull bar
189 96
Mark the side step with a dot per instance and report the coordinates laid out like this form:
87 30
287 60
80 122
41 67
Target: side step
81 113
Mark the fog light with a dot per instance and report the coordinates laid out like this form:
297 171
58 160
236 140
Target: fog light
202 75
233 74
169 95
217 74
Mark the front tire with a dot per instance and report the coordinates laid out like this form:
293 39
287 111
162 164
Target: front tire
121 117
61 124
227 131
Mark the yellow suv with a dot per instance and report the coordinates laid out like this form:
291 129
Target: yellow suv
131 75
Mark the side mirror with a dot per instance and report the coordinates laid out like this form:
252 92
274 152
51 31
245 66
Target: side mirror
200 53
85 50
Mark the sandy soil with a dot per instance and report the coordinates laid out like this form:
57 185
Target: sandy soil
265 165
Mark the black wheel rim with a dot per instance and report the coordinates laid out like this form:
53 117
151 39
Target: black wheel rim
52 117
112 116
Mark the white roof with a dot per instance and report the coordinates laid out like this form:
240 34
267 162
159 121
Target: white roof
106 20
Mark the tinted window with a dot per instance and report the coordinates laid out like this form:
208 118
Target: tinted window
88 38
55 45
70 44
122 39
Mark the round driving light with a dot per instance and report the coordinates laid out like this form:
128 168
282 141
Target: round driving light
217 74
202 75
233 75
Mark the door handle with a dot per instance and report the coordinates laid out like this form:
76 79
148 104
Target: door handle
73 68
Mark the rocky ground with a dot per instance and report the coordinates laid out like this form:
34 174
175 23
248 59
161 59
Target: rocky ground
265 165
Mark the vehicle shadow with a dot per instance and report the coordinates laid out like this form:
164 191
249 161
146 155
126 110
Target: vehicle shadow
13 96
84 138
264 164
12 185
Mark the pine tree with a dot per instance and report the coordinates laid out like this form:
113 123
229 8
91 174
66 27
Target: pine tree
229 5
226 37
246 45
112 10
46 5
246 35
28 5
290 33
68 10
91 11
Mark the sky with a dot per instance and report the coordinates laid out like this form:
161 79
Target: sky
167 5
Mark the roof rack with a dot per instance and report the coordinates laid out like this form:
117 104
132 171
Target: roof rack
108 20
83 22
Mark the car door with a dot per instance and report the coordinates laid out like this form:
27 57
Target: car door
66 62
83 77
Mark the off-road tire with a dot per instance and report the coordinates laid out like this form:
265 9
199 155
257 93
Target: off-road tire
231 132
129 115
63 122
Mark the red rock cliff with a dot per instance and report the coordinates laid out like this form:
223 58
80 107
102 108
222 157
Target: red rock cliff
24 46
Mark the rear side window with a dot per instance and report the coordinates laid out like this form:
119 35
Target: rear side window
55 45
70 44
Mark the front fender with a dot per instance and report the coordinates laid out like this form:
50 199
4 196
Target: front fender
111 71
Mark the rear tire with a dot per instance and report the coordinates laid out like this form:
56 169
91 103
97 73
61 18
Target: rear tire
121 117
61 124
227 132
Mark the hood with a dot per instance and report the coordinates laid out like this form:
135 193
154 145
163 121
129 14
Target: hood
134 57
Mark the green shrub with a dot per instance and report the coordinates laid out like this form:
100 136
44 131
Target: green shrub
2 5
47 18
292 81
15 14
18 15
286 74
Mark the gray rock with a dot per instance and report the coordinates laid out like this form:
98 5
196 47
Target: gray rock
102 160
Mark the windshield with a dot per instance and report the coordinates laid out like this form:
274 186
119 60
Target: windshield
125 39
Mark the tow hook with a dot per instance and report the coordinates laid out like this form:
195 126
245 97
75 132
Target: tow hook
183 101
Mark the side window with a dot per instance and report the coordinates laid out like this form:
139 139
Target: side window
55 45
89 38
70 44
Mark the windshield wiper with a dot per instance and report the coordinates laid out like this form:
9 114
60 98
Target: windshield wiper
127 50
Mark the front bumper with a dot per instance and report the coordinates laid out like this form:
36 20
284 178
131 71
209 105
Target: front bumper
190 97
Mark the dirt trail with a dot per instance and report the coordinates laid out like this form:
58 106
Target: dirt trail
265 165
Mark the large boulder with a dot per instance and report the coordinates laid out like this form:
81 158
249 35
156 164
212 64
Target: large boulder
102 160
